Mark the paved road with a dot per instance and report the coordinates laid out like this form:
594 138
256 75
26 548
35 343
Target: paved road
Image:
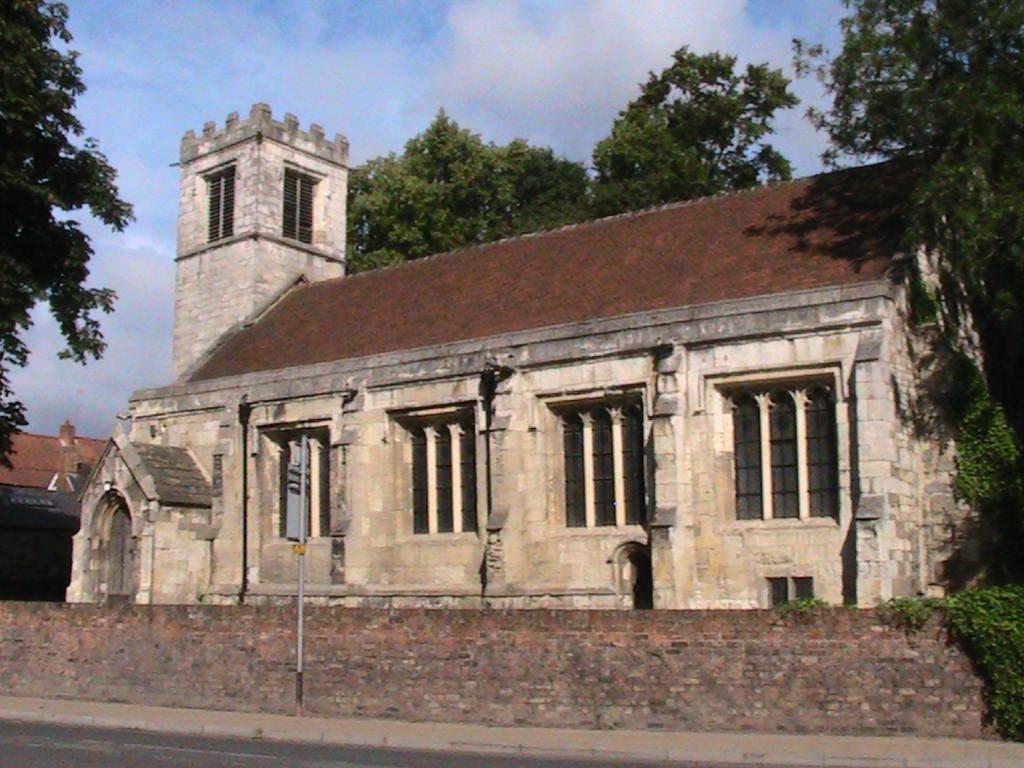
39 745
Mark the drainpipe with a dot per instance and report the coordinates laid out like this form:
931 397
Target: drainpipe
492 375
487 388
244 409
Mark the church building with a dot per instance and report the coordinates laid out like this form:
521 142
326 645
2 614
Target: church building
700 405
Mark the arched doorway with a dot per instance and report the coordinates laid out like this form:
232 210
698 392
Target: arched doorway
643 579
634 574
117 549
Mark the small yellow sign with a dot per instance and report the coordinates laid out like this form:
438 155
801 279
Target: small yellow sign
299 549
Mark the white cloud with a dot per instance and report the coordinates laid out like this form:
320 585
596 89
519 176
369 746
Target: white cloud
560 77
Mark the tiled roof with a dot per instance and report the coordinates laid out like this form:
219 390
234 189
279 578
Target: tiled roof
37 458
823 231
177 479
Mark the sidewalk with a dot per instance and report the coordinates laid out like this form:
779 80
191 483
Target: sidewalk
733 748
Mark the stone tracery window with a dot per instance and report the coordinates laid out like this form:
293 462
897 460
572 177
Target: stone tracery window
785 453
603 453
443 474
318 520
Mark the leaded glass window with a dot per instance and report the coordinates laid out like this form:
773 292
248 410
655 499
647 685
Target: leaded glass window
604 469
467 459
782 430
822 447
747 450
443 481
575 500
420 522
633 464
604 445
800 452
444 492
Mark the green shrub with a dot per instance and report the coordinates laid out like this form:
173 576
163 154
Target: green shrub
908 613
989 625
803 608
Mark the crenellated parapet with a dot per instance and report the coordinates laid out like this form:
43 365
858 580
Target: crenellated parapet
261 124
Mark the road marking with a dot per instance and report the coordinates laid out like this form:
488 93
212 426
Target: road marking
197 750
273 758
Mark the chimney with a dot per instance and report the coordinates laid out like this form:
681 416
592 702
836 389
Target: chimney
66 434
69 457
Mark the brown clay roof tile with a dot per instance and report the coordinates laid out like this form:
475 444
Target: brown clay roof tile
823 231
37 458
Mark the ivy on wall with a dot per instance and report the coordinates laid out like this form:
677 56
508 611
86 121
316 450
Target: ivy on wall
988 475
989 460
989 625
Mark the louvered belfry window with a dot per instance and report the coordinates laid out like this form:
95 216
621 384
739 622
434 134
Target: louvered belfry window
298 206
220 187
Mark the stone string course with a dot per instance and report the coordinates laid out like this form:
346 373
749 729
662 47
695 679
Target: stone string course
675 670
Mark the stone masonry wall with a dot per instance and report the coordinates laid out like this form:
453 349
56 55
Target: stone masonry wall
840 672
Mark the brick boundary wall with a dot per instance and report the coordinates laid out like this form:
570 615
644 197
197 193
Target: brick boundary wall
840 672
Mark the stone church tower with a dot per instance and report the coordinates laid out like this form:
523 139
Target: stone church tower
262 203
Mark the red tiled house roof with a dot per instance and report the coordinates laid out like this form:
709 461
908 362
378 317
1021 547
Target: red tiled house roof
37 458
812 233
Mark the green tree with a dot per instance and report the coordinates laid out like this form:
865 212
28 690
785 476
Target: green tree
45 176
449 189
938 85
696 129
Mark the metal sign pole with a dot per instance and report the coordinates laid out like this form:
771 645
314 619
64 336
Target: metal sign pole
301 551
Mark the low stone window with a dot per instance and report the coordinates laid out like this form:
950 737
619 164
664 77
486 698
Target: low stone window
318 521
297 206
603 451
220 195
785 451
443 474
785 589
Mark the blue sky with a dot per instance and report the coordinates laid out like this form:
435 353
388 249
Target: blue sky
554 72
